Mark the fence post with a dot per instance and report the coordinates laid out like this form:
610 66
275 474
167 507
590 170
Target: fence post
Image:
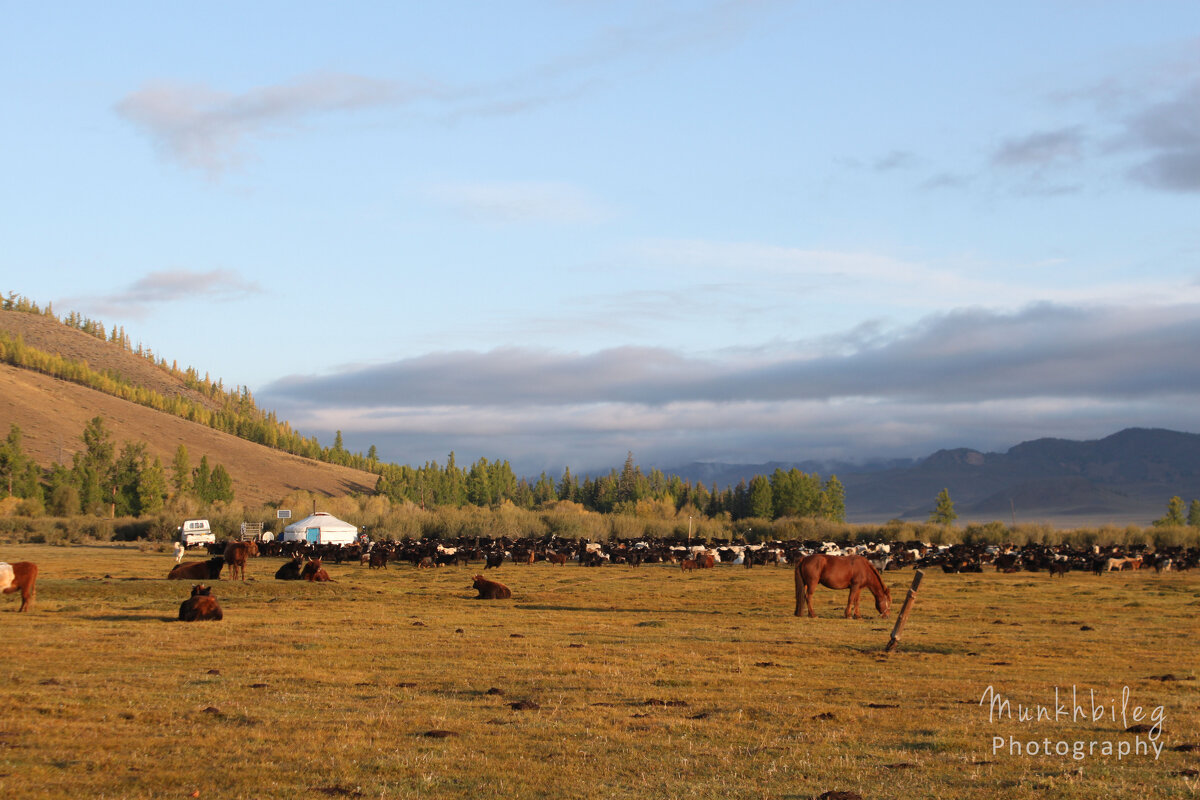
903 616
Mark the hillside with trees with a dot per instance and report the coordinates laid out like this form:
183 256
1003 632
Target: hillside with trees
63 379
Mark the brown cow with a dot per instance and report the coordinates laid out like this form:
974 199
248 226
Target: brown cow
236 554
200 606
198 570
688 564
490 590
20 575
557 558
313 571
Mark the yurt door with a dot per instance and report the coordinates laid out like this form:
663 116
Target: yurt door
312 534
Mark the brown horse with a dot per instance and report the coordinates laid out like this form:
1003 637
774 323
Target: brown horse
21 575
840 572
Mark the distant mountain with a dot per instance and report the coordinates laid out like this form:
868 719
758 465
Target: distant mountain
1125 478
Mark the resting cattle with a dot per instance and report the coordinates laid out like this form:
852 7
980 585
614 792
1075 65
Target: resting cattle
20 575
198 570
490 590
236 554
200 606
290 571
313 571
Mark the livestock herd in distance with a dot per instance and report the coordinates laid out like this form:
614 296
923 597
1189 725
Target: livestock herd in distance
305 561
698 554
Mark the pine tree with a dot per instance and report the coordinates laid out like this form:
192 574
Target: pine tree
1174 515
220 485
1194 514
943 513
181 472
759 499
834 500
201 477
152 488
12 462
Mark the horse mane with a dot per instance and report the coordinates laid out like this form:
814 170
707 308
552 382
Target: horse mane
875 572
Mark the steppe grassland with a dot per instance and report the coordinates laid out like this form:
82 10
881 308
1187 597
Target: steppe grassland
649 682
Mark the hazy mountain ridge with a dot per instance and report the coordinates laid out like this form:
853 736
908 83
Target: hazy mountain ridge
1127 477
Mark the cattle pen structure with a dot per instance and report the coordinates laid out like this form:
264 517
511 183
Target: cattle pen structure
661 682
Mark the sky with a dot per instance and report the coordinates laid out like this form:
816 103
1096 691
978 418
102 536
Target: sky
558 232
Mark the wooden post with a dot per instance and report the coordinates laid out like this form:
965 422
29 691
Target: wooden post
903 616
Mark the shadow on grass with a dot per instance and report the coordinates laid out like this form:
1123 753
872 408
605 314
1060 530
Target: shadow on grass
129 618
614 609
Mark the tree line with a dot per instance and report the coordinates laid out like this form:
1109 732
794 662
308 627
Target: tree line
483 483
104 481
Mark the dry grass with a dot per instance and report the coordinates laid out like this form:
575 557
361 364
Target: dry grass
648 682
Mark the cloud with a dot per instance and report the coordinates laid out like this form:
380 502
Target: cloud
950 377
1041 149
1168 136
520 202
168 286
209 129
206 129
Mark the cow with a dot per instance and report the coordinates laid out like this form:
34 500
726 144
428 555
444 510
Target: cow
290 571
200 606
493 560
314 572
236 554
557 558
490 590
19 576
688 564
198 570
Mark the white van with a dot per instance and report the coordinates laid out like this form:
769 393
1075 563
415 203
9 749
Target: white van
196 532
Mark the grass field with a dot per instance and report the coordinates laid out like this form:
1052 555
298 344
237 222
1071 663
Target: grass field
647 683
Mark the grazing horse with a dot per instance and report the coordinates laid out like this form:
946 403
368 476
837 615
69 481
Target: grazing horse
20 575
840 572
200 606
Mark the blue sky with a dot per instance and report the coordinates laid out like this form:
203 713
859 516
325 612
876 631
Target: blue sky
555 232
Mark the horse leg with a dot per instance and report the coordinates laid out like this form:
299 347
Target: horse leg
852 600
808 593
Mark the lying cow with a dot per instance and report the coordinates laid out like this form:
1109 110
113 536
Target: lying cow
198 570
313 571
200 606
290 571
490 590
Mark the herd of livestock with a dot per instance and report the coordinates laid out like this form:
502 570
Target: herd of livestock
885 556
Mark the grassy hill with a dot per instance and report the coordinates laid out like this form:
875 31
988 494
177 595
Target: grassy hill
52 413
